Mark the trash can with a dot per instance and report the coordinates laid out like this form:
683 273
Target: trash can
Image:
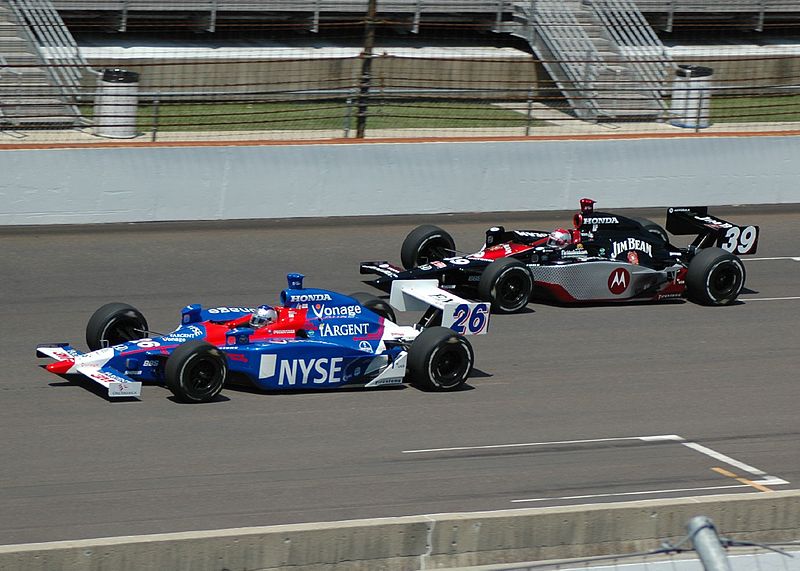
691 97
116 104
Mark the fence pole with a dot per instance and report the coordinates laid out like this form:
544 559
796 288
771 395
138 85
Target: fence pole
529 113
347 115
366 69
707 544
156 108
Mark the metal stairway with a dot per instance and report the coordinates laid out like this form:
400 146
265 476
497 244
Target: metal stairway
602 54
40 67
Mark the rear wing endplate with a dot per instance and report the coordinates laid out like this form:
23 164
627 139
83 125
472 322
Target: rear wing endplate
462 316
711 230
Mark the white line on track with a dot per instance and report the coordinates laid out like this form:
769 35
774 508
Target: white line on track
793 258
643 493
557 442
722 458
748 299
705 450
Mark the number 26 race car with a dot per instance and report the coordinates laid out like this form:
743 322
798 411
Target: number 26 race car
603 258
316 339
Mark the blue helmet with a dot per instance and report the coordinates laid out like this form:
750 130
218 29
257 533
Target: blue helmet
263 315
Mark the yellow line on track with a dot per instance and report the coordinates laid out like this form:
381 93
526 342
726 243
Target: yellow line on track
745 481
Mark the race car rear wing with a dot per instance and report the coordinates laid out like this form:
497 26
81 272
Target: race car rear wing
462 316
712 231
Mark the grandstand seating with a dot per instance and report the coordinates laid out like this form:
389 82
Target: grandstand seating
212 12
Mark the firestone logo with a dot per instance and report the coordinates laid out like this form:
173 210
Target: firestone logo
618 281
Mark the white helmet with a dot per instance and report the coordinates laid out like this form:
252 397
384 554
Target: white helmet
263 315
559 237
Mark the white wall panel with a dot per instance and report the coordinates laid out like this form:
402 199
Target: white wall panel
98 185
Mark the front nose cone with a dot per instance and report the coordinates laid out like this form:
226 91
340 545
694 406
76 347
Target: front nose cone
60 367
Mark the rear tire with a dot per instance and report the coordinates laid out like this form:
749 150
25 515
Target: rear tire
113 324
507 284
654 229
196 372
440 359
426 244
715 277
375 305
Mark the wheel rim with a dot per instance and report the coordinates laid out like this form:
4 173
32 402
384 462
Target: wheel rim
724 281
121 330
450 365
511 291
202 376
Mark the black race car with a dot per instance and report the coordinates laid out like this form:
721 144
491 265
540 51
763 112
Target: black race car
605 257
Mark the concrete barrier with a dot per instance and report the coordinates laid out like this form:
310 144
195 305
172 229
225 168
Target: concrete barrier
425 542
101 185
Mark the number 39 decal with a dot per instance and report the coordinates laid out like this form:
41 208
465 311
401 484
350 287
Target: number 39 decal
740 240
470 319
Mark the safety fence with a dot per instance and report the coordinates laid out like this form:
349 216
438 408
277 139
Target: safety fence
444 81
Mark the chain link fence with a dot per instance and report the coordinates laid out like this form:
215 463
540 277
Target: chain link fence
281 77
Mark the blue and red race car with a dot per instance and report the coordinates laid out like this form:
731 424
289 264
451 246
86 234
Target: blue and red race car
316 339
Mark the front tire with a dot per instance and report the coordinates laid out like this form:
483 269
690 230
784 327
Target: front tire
376 305
114 324
426 244
715 277
196 372
507 284
440 359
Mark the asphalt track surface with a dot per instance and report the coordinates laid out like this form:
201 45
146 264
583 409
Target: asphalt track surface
575 390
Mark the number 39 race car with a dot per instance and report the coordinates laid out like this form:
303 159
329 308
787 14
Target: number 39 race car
316 339
603 258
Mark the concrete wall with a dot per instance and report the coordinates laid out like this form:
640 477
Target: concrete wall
425 542
101 185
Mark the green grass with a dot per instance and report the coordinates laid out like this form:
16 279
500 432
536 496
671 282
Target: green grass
321 115
767 109
338 115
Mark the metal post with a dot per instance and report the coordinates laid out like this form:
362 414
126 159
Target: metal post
315 25
156 108
530 113
366 69
347 116
531 24
707 544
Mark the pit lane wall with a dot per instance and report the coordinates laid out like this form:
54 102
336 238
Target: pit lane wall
134 184
426 542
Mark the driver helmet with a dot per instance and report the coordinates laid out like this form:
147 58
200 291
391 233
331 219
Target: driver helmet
263 315
559 237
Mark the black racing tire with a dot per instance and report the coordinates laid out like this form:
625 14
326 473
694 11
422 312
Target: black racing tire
507 284
425 244
715 277
376 305
440 359
653 228
113 324
196 372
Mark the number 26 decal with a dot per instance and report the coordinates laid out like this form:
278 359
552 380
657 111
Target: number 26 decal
471 320
740 240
